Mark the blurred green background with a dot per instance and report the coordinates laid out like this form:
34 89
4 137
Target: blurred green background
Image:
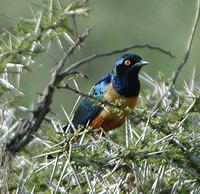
118 24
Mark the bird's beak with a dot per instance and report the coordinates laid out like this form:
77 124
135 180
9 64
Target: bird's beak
141 63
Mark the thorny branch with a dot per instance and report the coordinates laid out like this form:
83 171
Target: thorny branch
192 163
30 125
192 166
185 59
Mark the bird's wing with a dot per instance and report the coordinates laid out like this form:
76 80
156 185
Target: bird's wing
87 108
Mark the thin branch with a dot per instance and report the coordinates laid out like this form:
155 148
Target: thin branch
115 106
185 59
110 162
74 66
76 33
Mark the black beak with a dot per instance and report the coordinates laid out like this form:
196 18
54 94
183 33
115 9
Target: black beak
141 63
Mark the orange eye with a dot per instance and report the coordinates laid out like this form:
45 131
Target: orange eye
127 62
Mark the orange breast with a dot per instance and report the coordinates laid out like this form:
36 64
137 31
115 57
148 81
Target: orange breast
106 118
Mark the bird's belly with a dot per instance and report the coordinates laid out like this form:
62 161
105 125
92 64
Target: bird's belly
107 119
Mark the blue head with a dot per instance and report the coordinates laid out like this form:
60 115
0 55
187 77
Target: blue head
129 64
125 74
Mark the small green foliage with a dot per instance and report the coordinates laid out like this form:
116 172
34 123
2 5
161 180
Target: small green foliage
196 107
24 26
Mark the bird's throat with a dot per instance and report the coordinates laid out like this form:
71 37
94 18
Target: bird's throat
127 86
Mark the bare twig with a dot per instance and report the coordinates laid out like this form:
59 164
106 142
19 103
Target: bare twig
74 66
185 59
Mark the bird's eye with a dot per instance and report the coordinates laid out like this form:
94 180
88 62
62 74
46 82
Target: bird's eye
127 62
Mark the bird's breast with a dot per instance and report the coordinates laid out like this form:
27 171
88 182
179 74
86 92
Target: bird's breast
109 117
111 96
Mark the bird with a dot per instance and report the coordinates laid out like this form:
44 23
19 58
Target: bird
120 84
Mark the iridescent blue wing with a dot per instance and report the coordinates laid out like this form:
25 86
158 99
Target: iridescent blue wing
87 108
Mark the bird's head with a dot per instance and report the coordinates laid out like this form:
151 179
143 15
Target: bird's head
128 63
